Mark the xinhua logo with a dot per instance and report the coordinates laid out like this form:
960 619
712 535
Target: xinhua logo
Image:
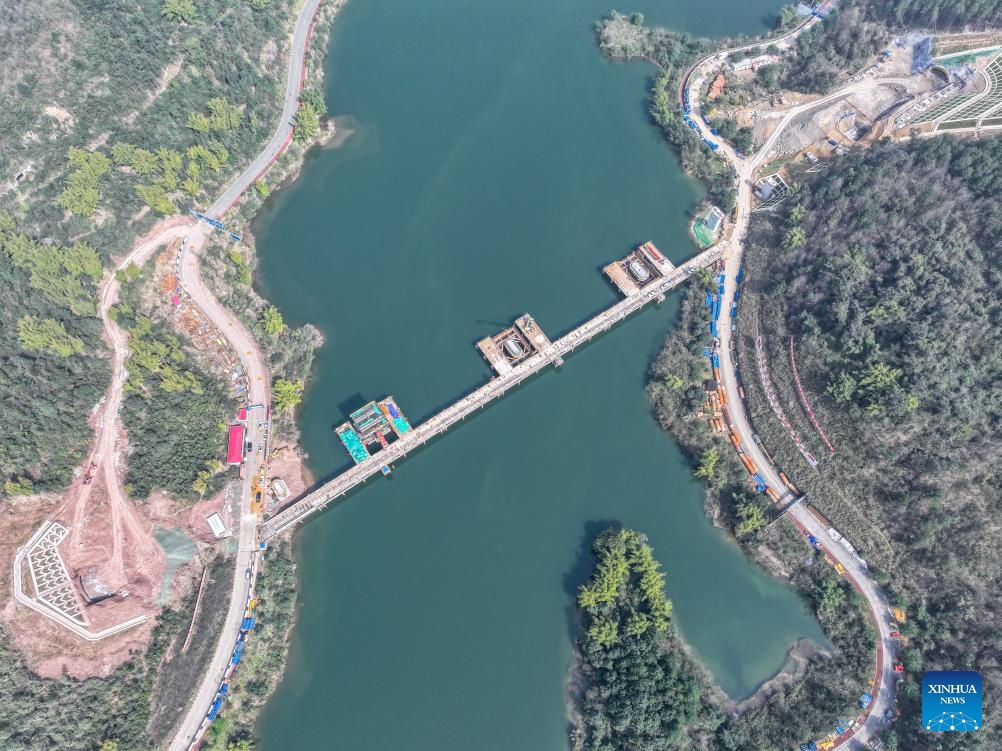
951 700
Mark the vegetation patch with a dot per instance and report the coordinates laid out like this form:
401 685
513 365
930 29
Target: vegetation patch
892 308
624 38
51 374
174 411
638 691
263 660
175 677
123 110
73 715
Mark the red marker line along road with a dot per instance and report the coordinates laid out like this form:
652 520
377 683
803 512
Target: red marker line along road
884 681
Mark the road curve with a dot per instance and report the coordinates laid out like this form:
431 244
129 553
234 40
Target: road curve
294 75
884 691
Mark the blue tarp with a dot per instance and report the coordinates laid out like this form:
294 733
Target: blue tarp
865 700
247 624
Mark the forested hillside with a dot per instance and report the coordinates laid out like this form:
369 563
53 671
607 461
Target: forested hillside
885 272
635 687
114 113
174 411
638 690
123 110
50 376
858 29
937 14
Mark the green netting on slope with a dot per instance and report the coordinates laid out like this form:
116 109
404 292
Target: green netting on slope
942 108
703 235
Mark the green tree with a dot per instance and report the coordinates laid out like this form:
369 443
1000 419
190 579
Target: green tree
796 214
18 486
81 194
306 124
286 394
224 116
47 335
179 11
829 596
912 660
604 632
875 385
272 320
787 16
794 238
157 199
64 275
708 464
674 382
315 100
199 122
751 518
842 388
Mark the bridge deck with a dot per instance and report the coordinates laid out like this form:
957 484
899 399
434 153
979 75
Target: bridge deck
549 353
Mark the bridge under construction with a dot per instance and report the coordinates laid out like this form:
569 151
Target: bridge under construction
515 354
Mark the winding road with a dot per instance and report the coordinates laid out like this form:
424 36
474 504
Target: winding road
884 688
194 236
193 722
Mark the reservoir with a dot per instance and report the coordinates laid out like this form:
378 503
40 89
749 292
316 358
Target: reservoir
497 163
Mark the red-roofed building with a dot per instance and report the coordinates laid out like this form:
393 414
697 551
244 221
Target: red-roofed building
235 446
242 414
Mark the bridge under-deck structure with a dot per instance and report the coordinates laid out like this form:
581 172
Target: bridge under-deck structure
549 353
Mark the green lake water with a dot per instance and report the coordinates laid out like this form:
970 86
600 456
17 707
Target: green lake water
498 162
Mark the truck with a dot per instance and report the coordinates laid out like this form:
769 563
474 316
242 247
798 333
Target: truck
238 652
713 146
214 709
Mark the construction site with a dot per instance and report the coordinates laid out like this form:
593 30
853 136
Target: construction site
918 85
100 566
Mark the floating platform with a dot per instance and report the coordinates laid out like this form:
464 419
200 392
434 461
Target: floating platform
394 416
514 345
644 266
352 442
